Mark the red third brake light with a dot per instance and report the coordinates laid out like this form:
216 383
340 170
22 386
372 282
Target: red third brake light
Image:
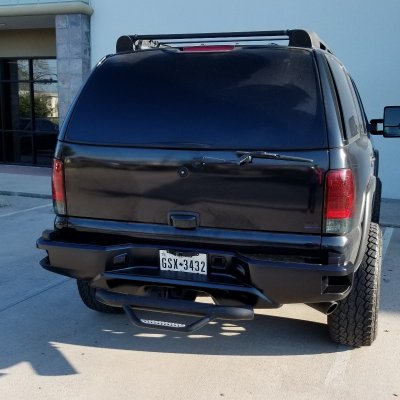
57 186
209 48
339 200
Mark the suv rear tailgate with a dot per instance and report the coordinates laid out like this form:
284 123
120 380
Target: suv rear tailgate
147 185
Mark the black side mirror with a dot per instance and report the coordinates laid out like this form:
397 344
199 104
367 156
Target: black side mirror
391 122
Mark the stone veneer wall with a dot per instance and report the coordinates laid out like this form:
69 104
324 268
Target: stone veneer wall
73 57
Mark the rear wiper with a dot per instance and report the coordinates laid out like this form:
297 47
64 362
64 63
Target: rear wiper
247 157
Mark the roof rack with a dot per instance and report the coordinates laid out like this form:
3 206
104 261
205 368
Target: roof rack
296 37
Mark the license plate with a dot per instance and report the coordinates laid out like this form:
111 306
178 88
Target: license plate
176 262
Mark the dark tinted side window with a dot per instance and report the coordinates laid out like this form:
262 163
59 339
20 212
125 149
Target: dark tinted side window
363 116
358 109
348 103
260 98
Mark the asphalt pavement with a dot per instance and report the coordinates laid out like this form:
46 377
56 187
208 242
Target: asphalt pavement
52 346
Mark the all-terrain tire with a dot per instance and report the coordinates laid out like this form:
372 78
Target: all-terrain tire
87 294
354 322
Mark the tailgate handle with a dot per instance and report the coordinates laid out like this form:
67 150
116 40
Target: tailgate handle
183 220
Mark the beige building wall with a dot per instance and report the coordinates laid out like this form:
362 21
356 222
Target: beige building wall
28 43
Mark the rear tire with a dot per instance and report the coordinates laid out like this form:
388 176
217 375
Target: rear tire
355 320
88 297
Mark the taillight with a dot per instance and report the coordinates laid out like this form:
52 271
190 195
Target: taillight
339 200
58 188
209 48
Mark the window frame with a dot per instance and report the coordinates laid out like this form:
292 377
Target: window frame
31 81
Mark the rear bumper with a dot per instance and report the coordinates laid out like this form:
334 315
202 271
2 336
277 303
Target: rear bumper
237 279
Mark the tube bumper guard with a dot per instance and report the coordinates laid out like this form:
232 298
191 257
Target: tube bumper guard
205 312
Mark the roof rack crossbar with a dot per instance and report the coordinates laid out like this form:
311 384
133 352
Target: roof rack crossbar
296 37
239 39
210 35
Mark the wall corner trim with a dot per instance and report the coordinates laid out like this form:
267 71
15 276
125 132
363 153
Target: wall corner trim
74 7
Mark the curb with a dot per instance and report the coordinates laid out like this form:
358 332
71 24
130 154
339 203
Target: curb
386 225
25 194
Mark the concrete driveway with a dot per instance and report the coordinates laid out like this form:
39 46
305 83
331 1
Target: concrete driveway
52 347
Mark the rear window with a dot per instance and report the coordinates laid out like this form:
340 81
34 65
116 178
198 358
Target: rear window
251 98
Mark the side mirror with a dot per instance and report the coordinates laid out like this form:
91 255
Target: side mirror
391 122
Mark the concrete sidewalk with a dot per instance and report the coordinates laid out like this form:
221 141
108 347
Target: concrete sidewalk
25 181
36 182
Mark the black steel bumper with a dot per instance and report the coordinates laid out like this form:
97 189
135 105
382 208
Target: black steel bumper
237 279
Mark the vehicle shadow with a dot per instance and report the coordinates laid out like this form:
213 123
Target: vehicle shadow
263 336
389 296
43 347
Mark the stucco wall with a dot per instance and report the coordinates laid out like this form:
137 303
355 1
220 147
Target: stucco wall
28 43
364 34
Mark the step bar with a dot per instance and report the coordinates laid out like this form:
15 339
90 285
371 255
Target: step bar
205 312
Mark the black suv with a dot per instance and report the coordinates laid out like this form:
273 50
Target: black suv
223 165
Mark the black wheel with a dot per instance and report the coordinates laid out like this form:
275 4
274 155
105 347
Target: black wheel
88 297
376 210
354 322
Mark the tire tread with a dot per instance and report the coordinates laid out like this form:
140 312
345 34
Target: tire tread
87 294
354 322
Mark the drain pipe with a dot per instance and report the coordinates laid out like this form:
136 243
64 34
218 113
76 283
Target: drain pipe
327 307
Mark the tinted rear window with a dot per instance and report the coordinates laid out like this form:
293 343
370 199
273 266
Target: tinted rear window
265 98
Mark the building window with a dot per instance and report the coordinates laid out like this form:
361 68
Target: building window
28 110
